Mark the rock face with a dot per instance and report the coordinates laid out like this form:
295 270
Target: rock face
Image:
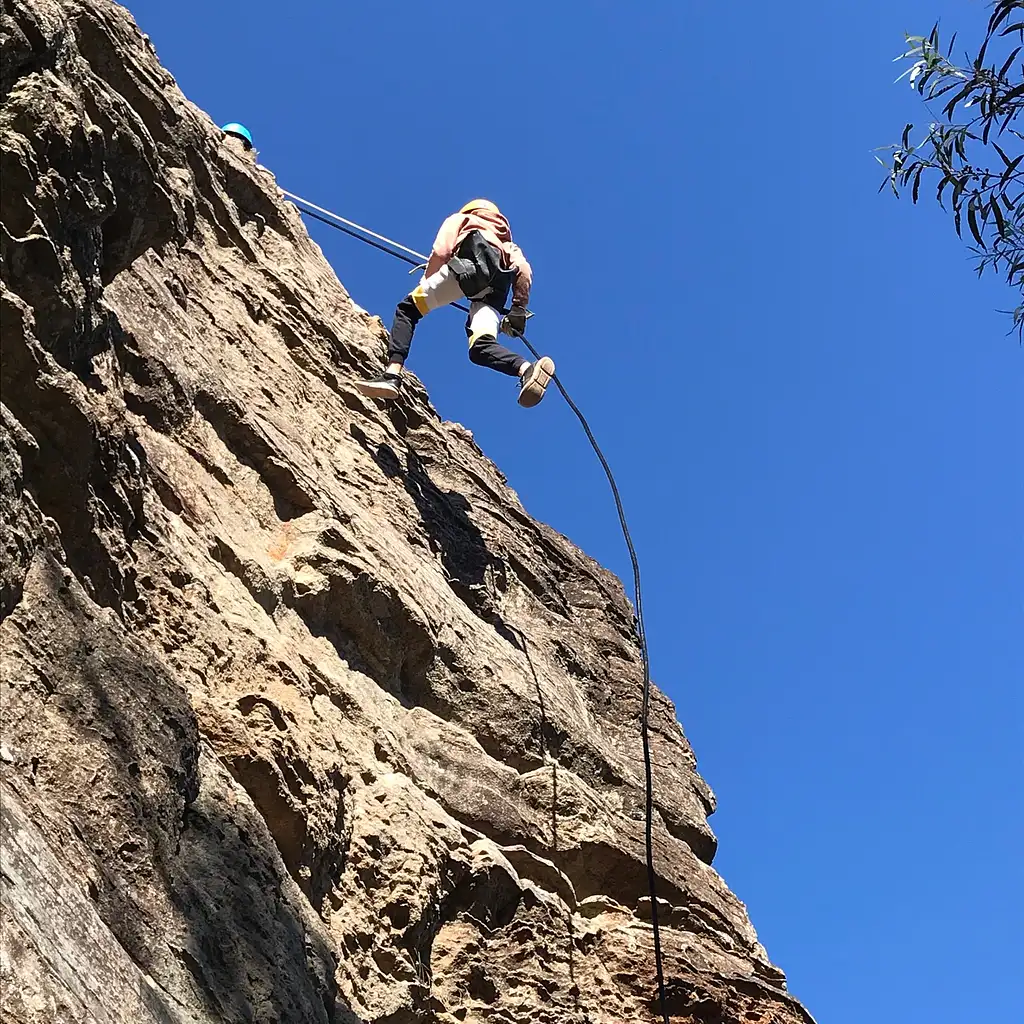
304 718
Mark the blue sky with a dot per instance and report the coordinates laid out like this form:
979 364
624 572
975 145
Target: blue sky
807 396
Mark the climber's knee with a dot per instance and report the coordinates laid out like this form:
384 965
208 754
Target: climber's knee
402 329
480 349
409 308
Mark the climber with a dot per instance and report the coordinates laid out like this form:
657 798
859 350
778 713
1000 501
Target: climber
239 131
473 256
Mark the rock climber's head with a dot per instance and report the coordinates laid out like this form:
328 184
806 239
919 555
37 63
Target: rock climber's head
481 204
239 131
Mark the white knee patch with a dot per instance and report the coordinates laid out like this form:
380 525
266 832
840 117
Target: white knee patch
484 321
437 290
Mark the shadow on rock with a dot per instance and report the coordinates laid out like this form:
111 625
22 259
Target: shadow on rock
545 732
475 575
180 865
250 947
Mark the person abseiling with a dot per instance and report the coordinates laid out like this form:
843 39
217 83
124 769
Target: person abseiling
473 257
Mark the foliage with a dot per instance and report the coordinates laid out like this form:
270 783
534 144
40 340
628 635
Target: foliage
972 149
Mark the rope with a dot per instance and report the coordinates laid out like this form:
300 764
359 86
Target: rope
645 707
353 224
397 250
354 234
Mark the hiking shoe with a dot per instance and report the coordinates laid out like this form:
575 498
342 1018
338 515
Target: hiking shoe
534 381
385 385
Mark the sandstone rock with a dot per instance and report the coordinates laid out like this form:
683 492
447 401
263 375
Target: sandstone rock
304 717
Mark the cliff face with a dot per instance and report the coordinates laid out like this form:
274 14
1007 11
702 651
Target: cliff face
304 718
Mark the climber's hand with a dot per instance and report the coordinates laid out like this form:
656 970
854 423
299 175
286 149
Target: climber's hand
514 322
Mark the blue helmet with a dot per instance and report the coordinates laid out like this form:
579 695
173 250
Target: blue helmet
240 131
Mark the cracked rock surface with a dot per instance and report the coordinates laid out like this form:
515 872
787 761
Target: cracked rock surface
304 718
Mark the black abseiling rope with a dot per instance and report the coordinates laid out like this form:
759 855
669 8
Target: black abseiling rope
639 623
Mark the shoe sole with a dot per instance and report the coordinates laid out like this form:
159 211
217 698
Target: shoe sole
372 390
533 392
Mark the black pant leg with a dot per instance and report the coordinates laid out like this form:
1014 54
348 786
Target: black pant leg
492 354
407 316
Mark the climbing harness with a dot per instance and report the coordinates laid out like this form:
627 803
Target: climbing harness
416 259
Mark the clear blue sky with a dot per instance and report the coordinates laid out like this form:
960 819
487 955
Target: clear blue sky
807 396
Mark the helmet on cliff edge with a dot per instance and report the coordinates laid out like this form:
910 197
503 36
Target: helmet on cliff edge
239 131
481 204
